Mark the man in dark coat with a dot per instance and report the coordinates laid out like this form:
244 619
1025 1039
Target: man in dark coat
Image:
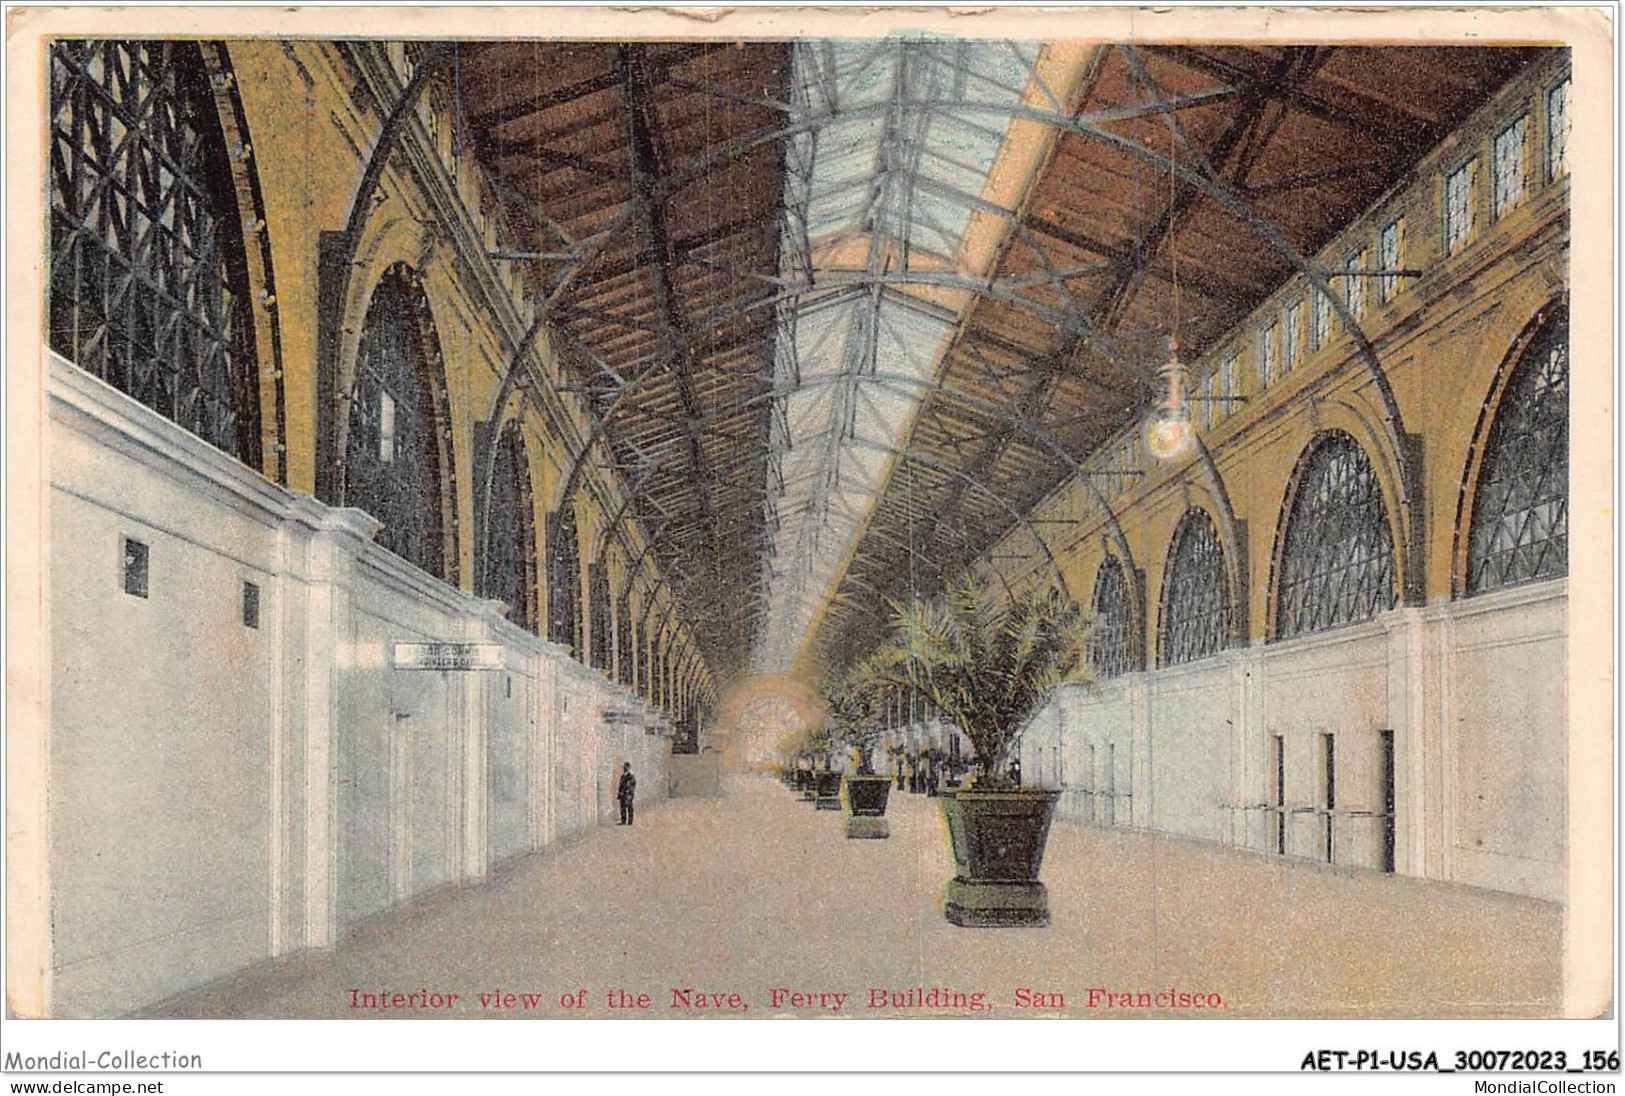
625 793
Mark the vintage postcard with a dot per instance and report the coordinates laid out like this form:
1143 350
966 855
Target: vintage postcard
875 514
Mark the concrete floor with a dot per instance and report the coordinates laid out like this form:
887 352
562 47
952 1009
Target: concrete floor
756 892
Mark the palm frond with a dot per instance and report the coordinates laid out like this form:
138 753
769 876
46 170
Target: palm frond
984 666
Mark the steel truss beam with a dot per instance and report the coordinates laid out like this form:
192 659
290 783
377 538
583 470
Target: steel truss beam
1202 182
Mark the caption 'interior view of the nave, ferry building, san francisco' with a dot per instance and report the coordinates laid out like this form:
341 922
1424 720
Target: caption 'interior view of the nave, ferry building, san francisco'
437 428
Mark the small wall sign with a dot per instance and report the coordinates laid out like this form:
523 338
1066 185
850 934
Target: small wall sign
447 656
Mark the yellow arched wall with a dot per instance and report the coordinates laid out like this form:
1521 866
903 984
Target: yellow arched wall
1442 341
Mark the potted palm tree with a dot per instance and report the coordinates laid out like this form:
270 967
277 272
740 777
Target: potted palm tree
814 748
796 756
819 746
987 668
854 720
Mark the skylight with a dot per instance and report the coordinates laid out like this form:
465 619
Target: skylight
882 184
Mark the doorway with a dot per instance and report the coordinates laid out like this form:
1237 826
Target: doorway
1328 799
1109 785
1277 797
1385 776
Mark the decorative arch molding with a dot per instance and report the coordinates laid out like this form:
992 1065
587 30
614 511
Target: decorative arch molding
1348 415
1488 347
623 638
1197 605
1550 322
398 459
199 341
261 269
387 244
1334 460
342 273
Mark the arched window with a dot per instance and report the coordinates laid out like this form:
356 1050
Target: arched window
598 618
1109 625
564 579
623 640
510 537
1520 521
148 285
1337 559
1196 595
397 453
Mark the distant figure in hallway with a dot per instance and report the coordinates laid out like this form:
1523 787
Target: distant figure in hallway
626 792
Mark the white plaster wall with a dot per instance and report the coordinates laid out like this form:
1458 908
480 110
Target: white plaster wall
513 723
1504 728
399 733
1099 733
577 759
1472 691
160 744
1189 754
1332 683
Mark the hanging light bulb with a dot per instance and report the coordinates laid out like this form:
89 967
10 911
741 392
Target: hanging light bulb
1169 432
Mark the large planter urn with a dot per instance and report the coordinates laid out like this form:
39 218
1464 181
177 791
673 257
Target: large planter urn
998 845
828 787
866 796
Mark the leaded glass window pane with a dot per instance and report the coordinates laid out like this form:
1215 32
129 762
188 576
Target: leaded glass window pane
510 548
1227 382
1266 354
1291 325
394 447
564 580
1520 509
1506 185
148 285
623 640
1196 599
1458 207
1320 321
598 616
1337 564
1109 624
1354 285
1390 254
640 652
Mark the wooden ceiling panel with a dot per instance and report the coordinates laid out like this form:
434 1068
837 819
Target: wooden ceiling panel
1305 137
597 137
1114 252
